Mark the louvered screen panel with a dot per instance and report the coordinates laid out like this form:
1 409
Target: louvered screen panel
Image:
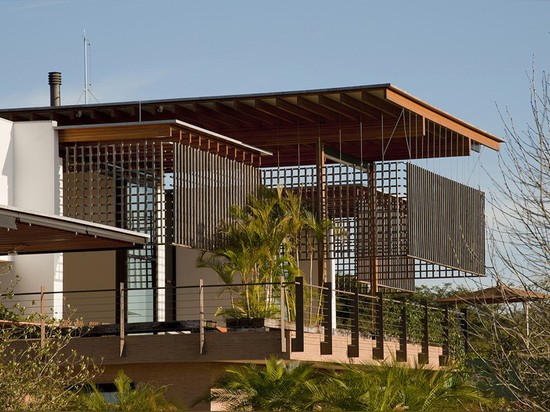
446 221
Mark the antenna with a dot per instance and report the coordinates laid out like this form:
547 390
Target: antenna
87 82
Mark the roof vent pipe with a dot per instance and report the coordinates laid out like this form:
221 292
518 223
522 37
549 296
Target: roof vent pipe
54 80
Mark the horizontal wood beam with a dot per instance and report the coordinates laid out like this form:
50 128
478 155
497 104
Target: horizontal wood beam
462 128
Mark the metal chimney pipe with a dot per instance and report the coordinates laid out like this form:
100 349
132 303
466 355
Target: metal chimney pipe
54 80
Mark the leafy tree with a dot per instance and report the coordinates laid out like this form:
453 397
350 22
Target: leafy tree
515 354
143 397
40 377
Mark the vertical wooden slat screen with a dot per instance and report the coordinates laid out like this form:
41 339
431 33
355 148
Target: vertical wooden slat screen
205 187
446 221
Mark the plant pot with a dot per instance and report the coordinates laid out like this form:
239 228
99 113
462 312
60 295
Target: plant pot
248 323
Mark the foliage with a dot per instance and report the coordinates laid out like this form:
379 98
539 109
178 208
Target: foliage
384 387
36 377
275 387
144 397
391 386
414 303
513 354
260 245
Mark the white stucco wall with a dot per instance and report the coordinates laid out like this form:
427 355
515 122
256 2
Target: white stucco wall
29 179
36 166
6 162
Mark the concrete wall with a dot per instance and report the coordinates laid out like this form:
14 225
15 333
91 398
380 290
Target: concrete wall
90 271
6 162
176 360
187 274
30 180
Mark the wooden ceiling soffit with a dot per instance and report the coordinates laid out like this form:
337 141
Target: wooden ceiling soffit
213 114
235 114
261 115
452 124
297 110
188 115
316 108
381 105
347 131
358 105
114 133
270 108
342 110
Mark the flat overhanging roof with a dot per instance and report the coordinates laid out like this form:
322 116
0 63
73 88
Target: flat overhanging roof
378 122
25 232
160 129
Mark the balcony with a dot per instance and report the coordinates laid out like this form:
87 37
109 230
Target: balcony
299 322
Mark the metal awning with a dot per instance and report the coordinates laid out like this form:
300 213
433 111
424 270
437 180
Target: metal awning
25 232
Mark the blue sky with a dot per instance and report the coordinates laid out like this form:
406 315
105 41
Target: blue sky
465 57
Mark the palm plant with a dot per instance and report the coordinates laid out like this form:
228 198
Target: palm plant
260 245
391 386
144 397
275 387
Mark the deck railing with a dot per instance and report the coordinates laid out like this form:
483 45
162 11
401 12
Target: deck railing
289 306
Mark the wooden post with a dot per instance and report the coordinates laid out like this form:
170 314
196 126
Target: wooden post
444 358
326 345
378 351
282 304
464 327
298 341
122 319
42 318
401 354
201 316
424 357
373 237
353 349
321 214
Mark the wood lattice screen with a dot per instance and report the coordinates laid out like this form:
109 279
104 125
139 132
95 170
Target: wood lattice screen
372 205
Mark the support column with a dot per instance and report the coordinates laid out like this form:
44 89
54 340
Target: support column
298 341
378 351
444 358
401 354
321 214
372 235
424 356
353 349
170 259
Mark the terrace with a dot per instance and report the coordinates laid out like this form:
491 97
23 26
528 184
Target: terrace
319 324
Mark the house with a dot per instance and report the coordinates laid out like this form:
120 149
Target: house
172 168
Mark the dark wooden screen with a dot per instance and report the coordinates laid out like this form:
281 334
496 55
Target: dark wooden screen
446 221
205 187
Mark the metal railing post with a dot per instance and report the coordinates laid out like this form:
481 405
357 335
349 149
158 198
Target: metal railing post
353 349
378 351
423 356
298 341
201 316
444 357
326 345
464 327
42 318
401 354
122 320
282 315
